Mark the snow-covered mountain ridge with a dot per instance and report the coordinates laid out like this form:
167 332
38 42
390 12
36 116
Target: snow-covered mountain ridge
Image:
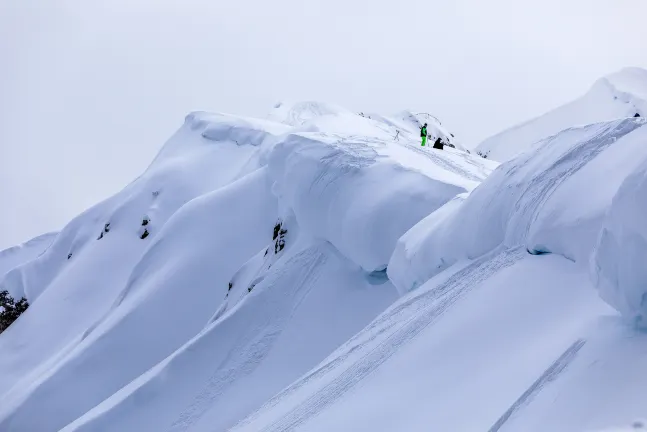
318 270
233 213
618 95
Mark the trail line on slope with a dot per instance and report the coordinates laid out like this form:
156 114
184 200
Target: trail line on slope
544 185
445 163
428 308
302 271
549 375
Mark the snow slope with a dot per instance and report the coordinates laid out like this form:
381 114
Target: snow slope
621 94
321 271
500 327
16 256
169 318
453 355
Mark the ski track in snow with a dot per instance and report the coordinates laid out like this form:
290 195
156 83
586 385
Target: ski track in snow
413 316
445 163
549 375
541 187
247 355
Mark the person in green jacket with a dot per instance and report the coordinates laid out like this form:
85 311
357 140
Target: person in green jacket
423 134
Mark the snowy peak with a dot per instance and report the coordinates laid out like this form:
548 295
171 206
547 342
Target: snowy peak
630 81
298 113
618 95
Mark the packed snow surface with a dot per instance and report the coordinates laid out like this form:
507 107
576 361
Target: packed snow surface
319 270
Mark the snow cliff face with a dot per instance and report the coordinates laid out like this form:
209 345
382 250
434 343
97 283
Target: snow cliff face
618 264
622 94
220 258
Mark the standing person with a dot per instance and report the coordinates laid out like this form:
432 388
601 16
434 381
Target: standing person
423 134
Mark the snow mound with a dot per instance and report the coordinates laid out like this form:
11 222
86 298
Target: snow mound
622 94
330 184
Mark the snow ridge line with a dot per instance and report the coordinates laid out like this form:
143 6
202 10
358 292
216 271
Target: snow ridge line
246 355
549 375
433 305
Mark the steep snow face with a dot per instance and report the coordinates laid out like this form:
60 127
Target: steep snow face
409 265
16 256
330 184
618 265
551 200
219 267
622 94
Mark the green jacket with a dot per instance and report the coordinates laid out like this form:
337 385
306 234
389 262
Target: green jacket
423 131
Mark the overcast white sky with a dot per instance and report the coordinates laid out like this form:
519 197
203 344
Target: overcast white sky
89 89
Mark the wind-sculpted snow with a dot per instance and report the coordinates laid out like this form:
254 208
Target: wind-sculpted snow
409 266
342 191
618 266
551 200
